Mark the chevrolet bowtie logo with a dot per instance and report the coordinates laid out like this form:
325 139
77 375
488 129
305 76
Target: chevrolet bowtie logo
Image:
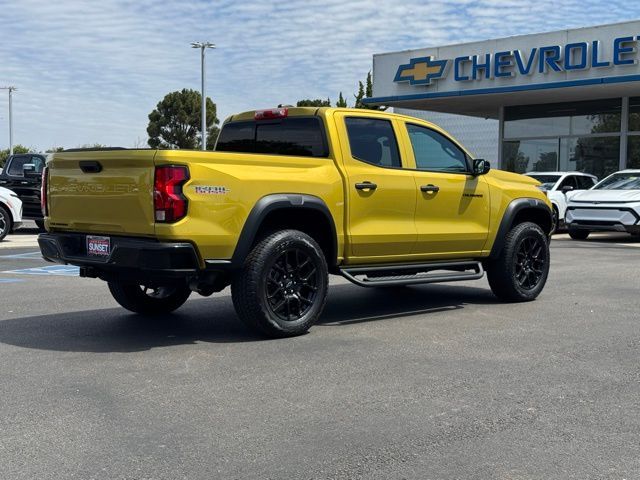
420 71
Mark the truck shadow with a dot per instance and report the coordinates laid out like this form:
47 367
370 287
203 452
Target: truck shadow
214 320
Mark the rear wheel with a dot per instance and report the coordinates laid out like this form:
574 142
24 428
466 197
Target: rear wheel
149 300
6 222
520 272
282 288
578 234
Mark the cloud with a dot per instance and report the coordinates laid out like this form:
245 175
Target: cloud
92 71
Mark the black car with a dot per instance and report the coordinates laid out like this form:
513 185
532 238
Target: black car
22 173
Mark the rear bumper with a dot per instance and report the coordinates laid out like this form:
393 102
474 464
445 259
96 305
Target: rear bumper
609 218
131 257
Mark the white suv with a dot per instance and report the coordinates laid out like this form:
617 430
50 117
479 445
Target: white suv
557 185
10 212
613 205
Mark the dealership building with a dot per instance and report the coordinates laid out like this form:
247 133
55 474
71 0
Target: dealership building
565 100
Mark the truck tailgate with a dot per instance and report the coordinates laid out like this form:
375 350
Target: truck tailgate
102 192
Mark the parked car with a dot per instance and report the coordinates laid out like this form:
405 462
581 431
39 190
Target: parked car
289 196
22 173
613 205
10 212
560 187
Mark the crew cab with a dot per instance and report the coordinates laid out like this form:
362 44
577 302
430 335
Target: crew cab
288 196
22 174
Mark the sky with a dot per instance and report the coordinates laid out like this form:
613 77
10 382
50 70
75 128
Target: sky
91 71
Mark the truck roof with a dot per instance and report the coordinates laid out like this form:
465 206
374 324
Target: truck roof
322 111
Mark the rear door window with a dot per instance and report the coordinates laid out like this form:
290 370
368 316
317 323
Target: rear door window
373 140
299 136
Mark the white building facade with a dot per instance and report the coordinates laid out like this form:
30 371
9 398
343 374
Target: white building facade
566 100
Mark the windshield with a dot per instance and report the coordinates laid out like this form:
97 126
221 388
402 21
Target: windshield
620 181
547 181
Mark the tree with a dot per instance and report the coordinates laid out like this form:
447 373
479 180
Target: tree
359 96
366 91
176 121
17 149
93 145
341 103
314 103
54 149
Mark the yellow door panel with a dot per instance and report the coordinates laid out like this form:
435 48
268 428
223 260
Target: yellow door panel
452 209
379 219
454 220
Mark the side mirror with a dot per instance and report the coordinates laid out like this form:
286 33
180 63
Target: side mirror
566 189
481 166
29 171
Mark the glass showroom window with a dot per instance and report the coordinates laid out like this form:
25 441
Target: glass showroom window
634 114
599 156
563 136
633 142
633 151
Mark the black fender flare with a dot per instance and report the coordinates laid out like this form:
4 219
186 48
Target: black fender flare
509 216
271 203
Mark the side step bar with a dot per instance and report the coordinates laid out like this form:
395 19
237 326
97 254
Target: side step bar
413 274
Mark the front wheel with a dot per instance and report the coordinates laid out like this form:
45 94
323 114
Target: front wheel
282 287
520 272
578 234
555 220
6 223
149 300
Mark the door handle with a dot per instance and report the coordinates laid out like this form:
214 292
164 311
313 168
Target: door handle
366 186
430 188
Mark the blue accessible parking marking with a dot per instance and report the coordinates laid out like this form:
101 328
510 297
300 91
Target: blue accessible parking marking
58 270
11 280
27 256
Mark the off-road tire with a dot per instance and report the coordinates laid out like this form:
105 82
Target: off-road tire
578 234
162 300
505 272
269 273
6 223
555 220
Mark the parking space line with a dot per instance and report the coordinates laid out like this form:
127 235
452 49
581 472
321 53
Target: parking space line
56 270
28 256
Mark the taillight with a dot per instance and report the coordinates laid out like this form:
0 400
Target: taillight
271 113
44 204
169 203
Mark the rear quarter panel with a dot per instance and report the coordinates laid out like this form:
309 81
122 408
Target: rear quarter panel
224 187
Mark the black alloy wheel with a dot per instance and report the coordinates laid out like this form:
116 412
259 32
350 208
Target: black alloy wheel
530 262
282 287
5 223
149 300
555 220
519 272
292 284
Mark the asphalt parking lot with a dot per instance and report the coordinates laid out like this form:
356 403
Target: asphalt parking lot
427 382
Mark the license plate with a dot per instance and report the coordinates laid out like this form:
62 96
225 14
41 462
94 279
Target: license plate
98 246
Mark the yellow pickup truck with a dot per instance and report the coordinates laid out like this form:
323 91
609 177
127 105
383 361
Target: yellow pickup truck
288 196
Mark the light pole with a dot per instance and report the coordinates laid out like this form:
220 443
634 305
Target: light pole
11 89
202 46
